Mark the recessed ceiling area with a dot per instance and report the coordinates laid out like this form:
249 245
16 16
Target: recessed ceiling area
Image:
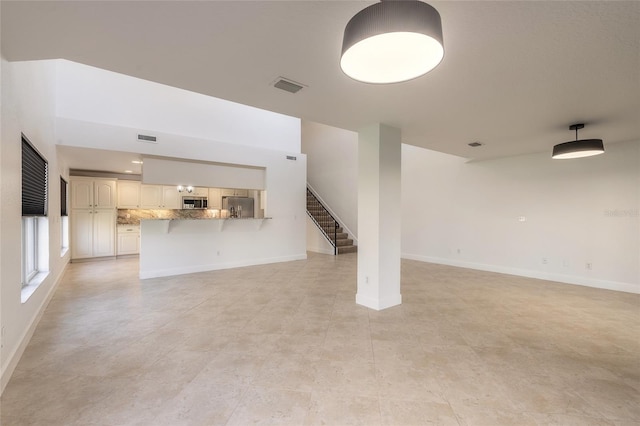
514 74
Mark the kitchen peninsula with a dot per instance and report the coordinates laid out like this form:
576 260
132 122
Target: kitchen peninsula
180 246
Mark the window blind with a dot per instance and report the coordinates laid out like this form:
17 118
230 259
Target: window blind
63 197
34 181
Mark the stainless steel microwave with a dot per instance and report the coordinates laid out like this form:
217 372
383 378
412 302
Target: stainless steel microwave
191 202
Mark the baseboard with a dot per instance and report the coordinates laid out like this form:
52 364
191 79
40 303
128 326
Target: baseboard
561 278
378 304
217 266
321 250
15 356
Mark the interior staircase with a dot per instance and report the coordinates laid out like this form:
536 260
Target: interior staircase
329 226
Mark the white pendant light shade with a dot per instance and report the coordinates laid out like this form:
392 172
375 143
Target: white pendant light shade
392 41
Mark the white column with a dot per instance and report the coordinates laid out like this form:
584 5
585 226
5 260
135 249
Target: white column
379 217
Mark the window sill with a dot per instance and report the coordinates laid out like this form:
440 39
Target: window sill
30 288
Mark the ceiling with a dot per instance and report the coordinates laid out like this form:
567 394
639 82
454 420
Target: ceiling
514 77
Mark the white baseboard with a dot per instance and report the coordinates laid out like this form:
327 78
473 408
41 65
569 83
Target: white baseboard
217 266
321 250
15 356
378 304
567 279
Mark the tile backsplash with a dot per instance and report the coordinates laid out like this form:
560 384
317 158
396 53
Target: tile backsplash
133 216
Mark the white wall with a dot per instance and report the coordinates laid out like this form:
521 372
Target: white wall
95 95
332 170
316 241
28 105
577 212
191 173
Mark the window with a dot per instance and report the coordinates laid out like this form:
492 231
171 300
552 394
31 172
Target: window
63 197
35 230
64 218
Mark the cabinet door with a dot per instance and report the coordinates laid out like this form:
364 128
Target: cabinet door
128 194
104 233
104 194
151 196
128 243
171 198
81 233
241 192
215 199
200 191
81 193
226 192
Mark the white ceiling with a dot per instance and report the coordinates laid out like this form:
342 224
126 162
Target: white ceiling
515 74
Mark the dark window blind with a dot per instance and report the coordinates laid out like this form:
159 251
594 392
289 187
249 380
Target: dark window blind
63 197
34 181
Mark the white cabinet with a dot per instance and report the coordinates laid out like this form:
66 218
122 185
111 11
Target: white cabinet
227 192
93 217
128 240
171 198
92 233
200 192
128 194
150 196
214 198
159 197
87 193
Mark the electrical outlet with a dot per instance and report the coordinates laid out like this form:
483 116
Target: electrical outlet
218 252
458 251
545 261
588 266
366 280
522 218
2 338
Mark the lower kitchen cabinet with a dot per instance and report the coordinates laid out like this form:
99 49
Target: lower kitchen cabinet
128 240
93 233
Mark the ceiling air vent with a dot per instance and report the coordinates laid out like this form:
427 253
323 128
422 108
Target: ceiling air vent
474 144
288 85
147 138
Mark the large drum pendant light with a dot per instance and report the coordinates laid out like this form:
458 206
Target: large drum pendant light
392 41
578 148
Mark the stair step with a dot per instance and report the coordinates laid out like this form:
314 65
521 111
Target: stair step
340 235
344 242
329 231
347 249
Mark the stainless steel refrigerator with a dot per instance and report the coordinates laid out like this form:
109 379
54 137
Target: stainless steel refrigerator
242 206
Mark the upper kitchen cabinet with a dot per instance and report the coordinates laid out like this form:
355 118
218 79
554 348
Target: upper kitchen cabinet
171 198
88 193
215 198
159 197
200 192
128 194
227 192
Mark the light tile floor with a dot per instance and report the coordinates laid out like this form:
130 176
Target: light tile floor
285 344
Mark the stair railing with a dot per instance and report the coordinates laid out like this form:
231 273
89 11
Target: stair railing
326 222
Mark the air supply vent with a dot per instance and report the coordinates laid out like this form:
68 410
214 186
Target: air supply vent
475 144
147 138
288 85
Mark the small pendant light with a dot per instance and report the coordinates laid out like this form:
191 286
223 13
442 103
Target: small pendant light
577 148
392 41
